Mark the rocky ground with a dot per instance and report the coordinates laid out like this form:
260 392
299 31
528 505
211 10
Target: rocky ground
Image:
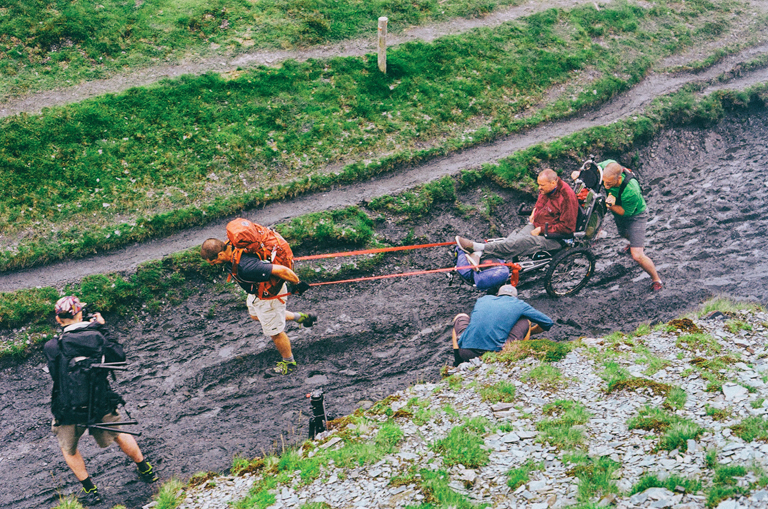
516 431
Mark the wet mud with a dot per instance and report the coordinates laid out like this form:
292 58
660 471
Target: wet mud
196 382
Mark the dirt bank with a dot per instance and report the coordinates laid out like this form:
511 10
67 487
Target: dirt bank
196 384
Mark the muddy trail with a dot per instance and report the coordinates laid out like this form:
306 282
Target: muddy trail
621 106
196 382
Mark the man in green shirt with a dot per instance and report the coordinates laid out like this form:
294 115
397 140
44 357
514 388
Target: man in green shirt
628 208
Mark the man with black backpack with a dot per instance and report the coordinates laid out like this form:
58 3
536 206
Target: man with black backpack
81 393
625 200
260 261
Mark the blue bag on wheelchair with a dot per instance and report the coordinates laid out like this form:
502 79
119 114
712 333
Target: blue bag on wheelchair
488 277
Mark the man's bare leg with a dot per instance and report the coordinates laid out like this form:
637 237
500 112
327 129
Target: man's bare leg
77 464
645 263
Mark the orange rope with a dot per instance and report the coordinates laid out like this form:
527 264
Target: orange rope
514 276
371 251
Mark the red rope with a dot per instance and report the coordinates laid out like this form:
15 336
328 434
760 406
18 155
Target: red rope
515 270
371 251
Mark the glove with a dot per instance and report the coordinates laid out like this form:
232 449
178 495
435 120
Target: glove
299 288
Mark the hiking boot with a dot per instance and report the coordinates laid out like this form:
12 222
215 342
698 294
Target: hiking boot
148 475
282 368
89 498
306 319
657 286
465 245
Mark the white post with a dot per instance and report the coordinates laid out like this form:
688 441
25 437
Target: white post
383 44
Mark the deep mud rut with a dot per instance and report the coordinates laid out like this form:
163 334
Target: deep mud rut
196 383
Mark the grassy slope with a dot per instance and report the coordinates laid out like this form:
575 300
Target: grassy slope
119 169
166 281
44 43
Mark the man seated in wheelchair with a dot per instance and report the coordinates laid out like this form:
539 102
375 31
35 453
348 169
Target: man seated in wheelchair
553 218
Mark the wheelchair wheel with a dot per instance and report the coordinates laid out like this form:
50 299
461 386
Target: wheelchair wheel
569 272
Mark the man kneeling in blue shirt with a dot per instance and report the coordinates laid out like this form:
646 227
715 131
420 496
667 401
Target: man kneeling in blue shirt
495 320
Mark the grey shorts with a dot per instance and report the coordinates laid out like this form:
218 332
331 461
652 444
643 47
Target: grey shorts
632 228
69 435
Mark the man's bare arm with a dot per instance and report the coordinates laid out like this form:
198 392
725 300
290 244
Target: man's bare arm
285 273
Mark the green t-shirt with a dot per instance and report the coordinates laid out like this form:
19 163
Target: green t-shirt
632 198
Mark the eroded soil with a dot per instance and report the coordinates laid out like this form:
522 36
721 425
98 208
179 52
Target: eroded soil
196 383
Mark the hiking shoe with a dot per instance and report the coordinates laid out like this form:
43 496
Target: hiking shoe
306 319
624 250
282 368
657 286
88 498
148 475
465 245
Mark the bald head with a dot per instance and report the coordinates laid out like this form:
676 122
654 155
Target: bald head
612 171
549 175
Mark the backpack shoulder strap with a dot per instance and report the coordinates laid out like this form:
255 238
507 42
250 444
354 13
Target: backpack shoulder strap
628 175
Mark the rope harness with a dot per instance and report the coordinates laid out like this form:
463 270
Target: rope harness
514 268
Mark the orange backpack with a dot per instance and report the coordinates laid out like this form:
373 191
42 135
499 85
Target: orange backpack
248 237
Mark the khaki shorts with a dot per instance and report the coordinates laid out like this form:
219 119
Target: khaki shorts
69 435
271 313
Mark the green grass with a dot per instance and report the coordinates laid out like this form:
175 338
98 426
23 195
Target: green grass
595 476
758 403
69 502
421 411
703 343
279 470
718 414
434 484
498 392
187 151
520 475
671 483
752 428
560 431
735 326
618 379
49 43
676 399
171 494
464 444
545 375
542 349
673 431
728 306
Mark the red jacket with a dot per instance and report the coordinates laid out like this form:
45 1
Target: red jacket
558 208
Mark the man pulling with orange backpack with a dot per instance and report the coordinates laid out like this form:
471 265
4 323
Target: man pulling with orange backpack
261 262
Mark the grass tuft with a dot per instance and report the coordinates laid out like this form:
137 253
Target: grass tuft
565 429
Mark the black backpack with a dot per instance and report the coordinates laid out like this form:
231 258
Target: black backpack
81 385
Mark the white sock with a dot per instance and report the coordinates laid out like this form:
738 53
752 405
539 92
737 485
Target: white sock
478 247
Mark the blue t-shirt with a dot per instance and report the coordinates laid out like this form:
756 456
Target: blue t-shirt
493 318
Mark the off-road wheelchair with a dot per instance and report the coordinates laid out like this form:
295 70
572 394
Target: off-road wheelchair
566 270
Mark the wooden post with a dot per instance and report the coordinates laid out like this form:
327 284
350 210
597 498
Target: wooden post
383 44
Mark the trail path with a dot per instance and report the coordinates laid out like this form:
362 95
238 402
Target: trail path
34 103
622 106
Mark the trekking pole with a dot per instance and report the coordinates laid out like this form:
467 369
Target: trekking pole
109 426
